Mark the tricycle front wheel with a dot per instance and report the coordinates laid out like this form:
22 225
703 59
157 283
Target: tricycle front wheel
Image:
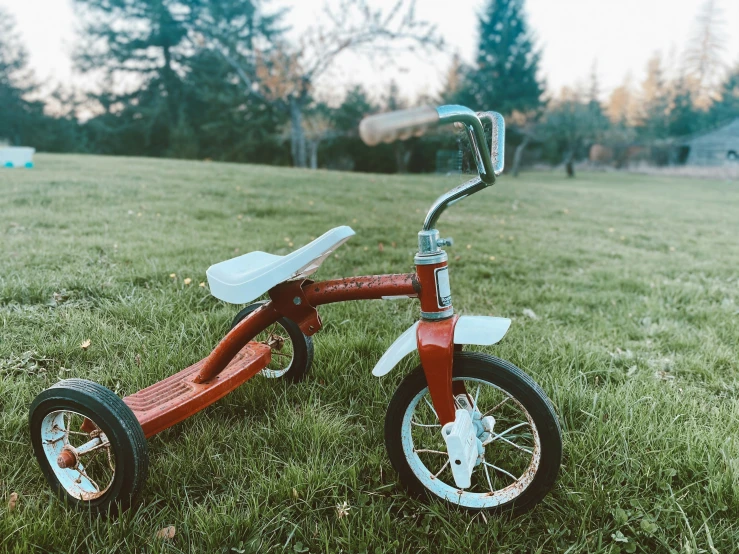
89 444
521 454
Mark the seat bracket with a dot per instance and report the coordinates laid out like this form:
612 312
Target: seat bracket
289 299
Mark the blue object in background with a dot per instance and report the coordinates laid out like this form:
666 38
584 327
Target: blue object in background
17 156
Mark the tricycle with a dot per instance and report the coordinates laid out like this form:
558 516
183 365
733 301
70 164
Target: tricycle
463 427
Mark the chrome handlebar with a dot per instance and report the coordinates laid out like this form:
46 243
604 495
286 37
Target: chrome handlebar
403 124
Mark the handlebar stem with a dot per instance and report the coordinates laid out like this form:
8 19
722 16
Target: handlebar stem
448 198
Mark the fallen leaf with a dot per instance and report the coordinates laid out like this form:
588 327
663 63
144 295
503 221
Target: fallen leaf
173 275
86 344
138 360
469 246
13 501
295 492
492 258
528 312
380 247
187 281
167 533
202 285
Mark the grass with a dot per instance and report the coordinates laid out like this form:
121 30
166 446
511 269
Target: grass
633 279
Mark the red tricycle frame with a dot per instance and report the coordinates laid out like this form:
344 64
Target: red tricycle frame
235 359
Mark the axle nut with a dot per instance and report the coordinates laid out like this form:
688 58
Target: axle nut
66 459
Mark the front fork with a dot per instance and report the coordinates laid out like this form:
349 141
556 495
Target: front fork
435 331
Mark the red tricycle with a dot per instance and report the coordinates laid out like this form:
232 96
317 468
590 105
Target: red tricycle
464 427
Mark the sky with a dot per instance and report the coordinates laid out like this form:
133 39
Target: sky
619 37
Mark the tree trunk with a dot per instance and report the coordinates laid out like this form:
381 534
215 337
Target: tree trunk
402 157
570 164
519 154
169 77
313 144
297 135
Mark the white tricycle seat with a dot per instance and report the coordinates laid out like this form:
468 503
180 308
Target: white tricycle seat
242 279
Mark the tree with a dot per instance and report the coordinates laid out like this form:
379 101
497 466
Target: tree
283 74
727 106
704 53
572 123
504 77
141 41
683 119
622 108
655 100
18 116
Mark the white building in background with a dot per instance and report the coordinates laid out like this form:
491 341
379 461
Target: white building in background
717 147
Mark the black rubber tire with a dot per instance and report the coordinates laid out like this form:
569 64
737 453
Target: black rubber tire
118 423
516 383
302 344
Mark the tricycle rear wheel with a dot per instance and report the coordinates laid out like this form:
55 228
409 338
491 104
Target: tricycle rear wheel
90 446
292 351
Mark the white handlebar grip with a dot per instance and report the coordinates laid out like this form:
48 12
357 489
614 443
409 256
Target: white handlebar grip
401 124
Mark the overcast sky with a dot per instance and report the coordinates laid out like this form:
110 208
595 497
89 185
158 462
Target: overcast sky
573 34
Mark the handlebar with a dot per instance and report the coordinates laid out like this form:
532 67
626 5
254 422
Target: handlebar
397 125
403 124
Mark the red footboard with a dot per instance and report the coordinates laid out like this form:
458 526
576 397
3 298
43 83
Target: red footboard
177 397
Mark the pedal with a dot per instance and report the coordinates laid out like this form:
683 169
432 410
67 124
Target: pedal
461 444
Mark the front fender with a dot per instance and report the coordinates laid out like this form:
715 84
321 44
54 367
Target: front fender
470 329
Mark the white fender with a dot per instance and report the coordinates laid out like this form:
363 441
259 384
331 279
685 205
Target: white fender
470 329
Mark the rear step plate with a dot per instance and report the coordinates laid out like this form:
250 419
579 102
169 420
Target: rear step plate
176 398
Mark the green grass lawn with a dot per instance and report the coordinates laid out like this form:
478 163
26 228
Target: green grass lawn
634 281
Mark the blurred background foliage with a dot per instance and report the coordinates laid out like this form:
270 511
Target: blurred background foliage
221 80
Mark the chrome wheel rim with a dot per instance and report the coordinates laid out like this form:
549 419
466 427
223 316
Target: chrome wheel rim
91 462
511 459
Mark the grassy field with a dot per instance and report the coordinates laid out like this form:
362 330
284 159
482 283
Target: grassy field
634 281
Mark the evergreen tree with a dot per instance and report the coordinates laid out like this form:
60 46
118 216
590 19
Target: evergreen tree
655 100
683 119
504 77
141 42
727 107
19 118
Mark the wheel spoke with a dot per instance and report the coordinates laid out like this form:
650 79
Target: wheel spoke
487 474
491 410
516 445
277 353
501 470
477 395
425 424
81 470
429 451
499 435
442 468
430 406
